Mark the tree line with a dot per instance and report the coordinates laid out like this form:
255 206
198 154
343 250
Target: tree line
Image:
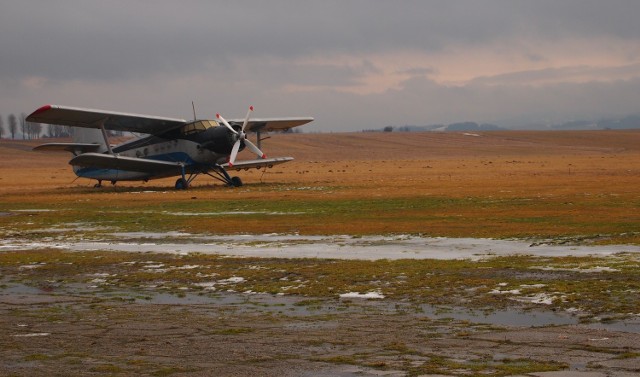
19 127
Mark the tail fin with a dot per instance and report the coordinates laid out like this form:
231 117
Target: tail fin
89 136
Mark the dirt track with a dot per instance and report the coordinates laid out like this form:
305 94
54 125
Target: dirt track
586 180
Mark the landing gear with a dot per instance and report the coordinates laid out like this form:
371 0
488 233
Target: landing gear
182 184
224 177
214 171
99 184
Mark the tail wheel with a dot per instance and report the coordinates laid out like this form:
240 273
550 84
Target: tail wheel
236 182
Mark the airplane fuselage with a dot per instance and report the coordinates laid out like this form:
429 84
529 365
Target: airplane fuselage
197 149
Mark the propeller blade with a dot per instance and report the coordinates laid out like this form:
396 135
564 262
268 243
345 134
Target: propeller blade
242 137
254 149
246 119
224 121
234 153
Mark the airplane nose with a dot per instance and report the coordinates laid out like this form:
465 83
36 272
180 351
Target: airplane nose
219 140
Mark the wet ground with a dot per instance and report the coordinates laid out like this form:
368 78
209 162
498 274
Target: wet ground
56 324
326 247
96 326
73 331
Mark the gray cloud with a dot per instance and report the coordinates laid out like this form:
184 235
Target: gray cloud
317 58
105 40
564 74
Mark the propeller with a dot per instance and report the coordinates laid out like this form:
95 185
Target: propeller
241 136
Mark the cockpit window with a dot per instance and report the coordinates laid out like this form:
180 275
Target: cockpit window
198 126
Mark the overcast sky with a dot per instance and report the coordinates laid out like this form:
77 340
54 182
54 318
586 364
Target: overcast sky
352 65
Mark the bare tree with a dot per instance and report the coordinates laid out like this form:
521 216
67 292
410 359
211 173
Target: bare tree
36 129
1 127
58 131
30 130
23 125
13 125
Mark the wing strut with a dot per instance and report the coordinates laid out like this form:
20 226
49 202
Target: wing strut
104 134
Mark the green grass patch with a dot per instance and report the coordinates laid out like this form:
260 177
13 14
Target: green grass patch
604 286
561 216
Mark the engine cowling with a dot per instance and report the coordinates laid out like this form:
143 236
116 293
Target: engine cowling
219 140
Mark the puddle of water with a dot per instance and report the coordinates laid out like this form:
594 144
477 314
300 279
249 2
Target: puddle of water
19 289
503 317
632 326
303 306
329 247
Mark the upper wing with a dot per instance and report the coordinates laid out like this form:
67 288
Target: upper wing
110 161
272 124
90 118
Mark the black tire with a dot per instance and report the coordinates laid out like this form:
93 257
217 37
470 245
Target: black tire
182 184
236 182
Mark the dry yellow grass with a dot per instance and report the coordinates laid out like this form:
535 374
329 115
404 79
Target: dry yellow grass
555 181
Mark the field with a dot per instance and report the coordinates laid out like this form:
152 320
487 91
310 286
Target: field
514 184
98 312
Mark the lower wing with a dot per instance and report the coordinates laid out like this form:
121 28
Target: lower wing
145 165
261 163
108 161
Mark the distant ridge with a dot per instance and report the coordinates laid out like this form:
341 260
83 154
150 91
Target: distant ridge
453 127
626 123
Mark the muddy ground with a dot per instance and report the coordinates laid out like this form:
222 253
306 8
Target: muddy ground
570 185
127 333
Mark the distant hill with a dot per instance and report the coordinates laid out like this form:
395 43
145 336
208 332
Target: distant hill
625 123
453 127
472 126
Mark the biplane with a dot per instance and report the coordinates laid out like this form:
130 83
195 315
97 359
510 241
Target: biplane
163 147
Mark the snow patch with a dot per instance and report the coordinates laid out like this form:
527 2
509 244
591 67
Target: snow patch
369 295
30 335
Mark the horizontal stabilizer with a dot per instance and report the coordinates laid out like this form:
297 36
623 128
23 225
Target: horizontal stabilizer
108 161
261 163
75 148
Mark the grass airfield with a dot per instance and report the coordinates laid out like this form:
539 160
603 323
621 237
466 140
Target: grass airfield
97 312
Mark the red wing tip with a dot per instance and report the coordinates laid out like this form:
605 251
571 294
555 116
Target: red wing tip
218 115
42 109
251 108
264 156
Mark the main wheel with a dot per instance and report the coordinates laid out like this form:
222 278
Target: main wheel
181 184
236 182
